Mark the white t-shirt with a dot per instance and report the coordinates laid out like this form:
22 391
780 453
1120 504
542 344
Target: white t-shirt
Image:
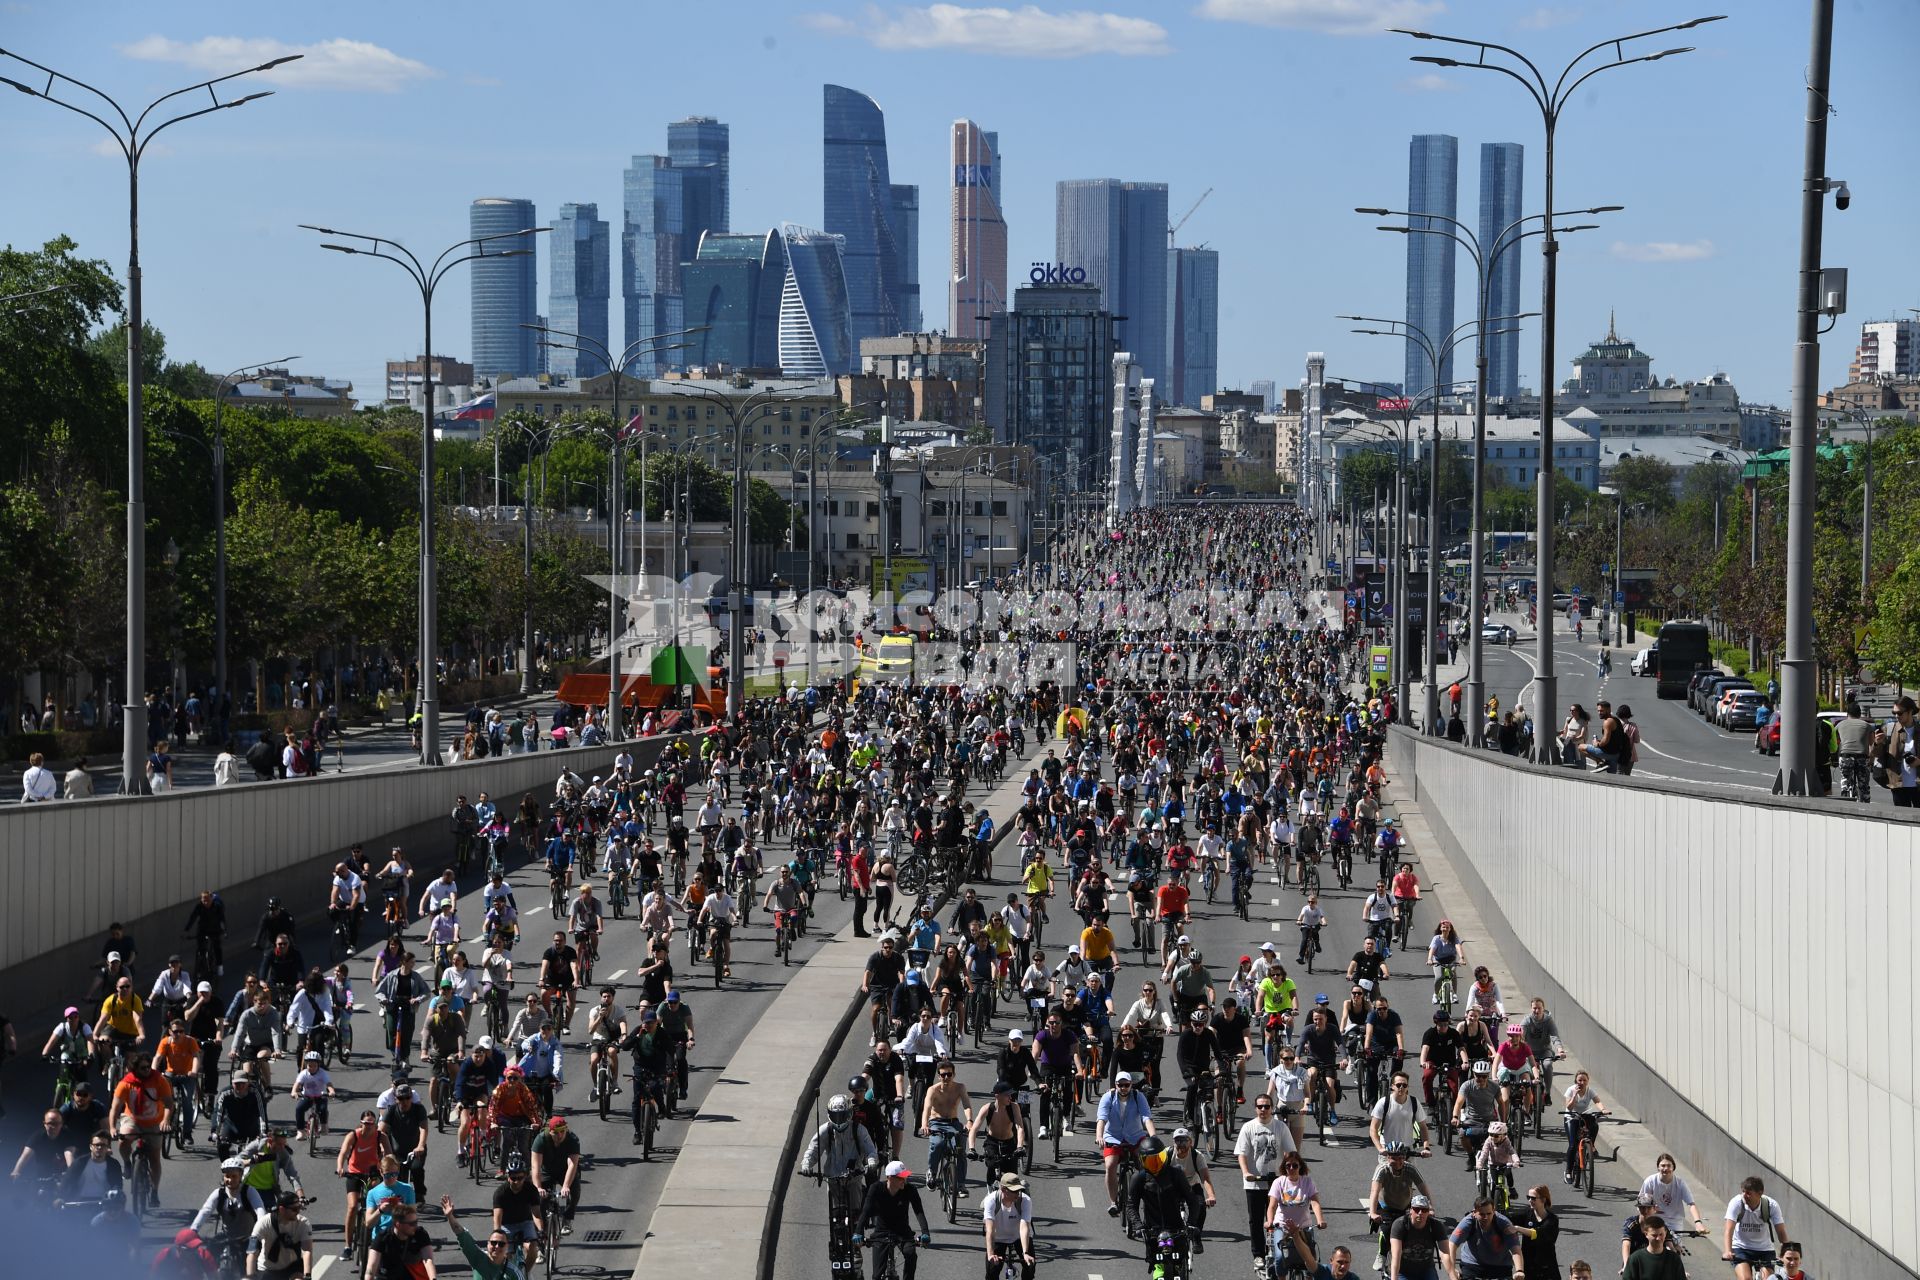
1396 1122
1670 1199
1006 1221
1262 1145
346 888
1753 1225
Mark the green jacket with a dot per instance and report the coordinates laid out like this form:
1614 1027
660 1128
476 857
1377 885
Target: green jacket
484 1267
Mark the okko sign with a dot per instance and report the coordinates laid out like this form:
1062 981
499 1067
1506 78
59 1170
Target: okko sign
1056 273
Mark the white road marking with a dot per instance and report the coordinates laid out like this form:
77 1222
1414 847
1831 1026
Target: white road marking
325 1265
1276 926
538 906
1077 1197
1273 902
616 975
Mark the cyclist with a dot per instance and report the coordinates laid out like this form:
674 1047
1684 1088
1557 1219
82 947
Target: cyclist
406 1126
238 1116
839 1147
1585 1120
588 923
555 1164
1161 1195
178 1056
230 1213
1391 1194
311 1090
1418 1244
1320 1050
1478 1105
358 1166
1376 914
606 1028
142 1107
474 1081
514 1109
1121 1123
945 1115
119 1028
560 975
541 1059
884 1214
1008 1215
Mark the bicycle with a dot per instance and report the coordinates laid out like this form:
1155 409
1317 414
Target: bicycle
648 1118
1310 876
1320 1099
1310 943
1053 1105
550 1213
557 895
1496 1184
1343 866
603 1075
1202 1110
947 1175
179 1134
1585 1155
783 936
440 1091
1440 1114
1445 987
342 939
1403 920
1243 892
70 1072
1209 878
618 893
980 1010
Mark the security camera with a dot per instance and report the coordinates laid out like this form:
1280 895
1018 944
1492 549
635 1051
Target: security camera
1841 196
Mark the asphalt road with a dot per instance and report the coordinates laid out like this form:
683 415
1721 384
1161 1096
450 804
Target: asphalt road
621 1189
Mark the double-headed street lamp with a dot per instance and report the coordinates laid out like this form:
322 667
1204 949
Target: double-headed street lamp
1551 99
133 135
426 278
1485 258
616 366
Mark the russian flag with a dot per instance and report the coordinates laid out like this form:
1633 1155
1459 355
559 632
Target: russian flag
479 409
634 425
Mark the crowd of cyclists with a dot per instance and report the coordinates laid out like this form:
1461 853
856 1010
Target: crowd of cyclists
1153 813
1219 735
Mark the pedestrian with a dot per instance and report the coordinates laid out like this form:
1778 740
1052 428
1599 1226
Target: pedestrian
860 872
37 784
79 783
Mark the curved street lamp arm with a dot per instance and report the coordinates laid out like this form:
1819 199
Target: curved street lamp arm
31 92
1609 66
140 144
1535 89
441 267
208 86
47 93
1616 42
407 264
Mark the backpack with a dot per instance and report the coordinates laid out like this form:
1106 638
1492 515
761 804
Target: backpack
187 1260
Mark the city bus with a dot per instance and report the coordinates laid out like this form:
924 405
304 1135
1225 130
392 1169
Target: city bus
1683 649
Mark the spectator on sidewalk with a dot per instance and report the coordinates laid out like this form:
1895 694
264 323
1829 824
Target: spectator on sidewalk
37 784
79 783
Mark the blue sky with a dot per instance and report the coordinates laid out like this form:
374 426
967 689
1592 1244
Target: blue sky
1293 111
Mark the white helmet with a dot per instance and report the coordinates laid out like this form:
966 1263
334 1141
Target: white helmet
839 1112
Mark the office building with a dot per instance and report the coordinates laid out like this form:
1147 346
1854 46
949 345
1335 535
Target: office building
816 316
580 275
1048 379
504 291
1194 323
1501 172
700 148
858 199
1116 232
918 377
1264 389
669 202
906 232
977 274
732 287
1888 349
407 379
1433 163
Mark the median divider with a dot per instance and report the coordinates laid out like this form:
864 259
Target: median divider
752 1125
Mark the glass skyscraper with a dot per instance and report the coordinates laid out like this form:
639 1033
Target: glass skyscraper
733 286
906 233
859 208
1194 318
504 292
977 271
1116 232
1433 168
579 277
1049 379
816 318
670 202
1500 178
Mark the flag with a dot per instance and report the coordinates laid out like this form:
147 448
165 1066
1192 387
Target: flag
634 425
479 409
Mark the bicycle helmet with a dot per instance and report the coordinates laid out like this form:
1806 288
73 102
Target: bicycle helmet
1002 1086
1198 1017
1498 1129
515 1168
1397 1149
1483 1068
858 1084
839 1112
1514 1029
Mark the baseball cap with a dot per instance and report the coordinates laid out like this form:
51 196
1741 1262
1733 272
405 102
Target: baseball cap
673 997
1016 1035
71 1012
1123 1077
1010 1181
486 1042
1246 959
289 1199
1268 946
898 1169
112 956
1185 940
1419 1202
558 1122
1074 950
204 986
1182 1132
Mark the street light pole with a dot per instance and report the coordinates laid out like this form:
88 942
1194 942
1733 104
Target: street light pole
1551 99
132 136
426 278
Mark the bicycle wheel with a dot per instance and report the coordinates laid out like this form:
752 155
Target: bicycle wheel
603 1085
1586 1160
648 1131
950 1188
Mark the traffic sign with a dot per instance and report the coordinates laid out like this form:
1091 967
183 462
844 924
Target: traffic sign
1619 599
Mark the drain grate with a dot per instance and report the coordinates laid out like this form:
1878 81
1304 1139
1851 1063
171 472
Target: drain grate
605 1237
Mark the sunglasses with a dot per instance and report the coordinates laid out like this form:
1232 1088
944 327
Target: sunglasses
498 1244
1123 1085
1263 1106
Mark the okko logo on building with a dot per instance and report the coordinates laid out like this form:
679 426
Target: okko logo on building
1056 273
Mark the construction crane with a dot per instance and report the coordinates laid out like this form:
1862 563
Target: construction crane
1174 229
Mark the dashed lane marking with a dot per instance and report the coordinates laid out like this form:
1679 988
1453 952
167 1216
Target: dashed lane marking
616 975
1077 1197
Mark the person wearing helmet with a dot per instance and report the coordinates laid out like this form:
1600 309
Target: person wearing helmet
1161 1197
1496 1153
1440 1052
1396 1183
1198 1054
1476 1107
231 1211
1514 1067
840 1146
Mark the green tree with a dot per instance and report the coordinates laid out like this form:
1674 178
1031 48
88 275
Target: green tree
61 562
1647 483
1365 472
55 390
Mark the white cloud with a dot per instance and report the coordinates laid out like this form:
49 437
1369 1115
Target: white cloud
1664 251
1026 32
1329 17
351 65
1545 19
1432 82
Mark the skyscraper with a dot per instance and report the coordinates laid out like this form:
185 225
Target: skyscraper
579 271
733 287
504 292
906 233
670 202
1116 232
1500 178
816 320
701 148
1433 164
1194 321
652 246
977 279
858 200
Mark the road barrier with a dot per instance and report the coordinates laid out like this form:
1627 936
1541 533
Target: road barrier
1742 968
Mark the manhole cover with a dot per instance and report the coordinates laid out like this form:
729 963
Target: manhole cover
605 1237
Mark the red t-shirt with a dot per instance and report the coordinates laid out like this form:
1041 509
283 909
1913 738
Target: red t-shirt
1173 900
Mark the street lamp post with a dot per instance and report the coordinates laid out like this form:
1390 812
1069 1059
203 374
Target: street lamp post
426 278
616 486
133 136
1551 99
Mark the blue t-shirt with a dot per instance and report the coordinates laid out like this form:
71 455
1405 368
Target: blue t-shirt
381 1192
1124 1115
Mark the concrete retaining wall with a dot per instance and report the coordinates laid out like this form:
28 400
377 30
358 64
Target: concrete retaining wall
1745 968
68 870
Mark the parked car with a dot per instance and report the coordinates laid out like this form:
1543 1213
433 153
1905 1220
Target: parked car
1723 693
1698 679
1497 633
1739 711
1711 691
1643 662
1767 740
